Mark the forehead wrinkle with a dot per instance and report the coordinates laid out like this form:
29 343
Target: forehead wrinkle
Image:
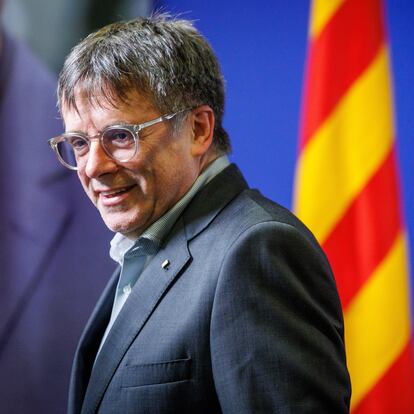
106 100
81 118
92 121
93 109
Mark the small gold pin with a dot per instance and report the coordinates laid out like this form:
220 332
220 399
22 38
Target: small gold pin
165 264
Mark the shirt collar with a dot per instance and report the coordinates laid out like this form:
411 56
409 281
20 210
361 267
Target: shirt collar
152 237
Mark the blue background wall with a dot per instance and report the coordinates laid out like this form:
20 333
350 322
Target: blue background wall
262 46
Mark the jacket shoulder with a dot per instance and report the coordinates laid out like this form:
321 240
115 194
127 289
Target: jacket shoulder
250 208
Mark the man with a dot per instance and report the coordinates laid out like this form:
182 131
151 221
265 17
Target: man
223 300
51 258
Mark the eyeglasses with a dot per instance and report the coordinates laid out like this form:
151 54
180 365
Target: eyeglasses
120 142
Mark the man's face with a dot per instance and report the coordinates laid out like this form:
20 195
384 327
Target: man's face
131 195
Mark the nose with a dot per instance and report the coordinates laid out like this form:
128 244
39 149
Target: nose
99 162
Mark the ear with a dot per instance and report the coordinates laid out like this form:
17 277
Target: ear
203 129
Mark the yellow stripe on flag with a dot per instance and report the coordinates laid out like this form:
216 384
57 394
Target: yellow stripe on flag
322 11
377 324
346 150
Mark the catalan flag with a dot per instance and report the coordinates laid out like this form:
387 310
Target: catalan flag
347 192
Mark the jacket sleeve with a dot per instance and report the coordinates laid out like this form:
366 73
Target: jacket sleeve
277 329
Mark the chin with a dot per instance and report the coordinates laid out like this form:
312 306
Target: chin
118 227
123 226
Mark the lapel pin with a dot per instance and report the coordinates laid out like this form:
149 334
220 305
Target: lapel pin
165 264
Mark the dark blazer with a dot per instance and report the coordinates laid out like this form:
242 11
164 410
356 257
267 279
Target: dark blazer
245 319
53 246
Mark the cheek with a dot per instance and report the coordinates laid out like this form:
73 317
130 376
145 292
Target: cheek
83 178
172 180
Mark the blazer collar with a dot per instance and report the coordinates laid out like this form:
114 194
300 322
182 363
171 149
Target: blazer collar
146 294
89 344
220 191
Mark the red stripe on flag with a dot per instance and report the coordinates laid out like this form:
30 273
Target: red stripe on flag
343 50
366 232
393 393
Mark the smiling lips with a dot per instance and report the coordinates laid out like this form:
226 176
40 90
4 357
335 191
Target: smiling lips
115 196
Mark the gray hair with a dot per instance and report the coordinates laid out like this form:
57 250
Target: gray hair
163 58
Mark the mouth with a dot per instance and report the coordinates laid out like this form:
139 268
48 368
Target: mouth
114 196
113 193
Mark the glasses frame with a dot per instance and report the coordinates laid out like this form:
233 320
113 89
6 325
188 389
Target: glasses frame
133 128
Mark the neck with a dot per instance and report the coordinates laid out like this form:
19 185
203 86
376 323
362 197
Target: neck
207 159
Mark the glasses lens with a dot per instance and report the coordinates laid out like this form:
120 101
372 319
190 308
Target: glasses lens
72 148
120 143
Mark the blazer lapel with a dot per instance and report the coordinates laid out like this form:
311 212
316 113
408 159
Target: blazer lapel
147 292
89 344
